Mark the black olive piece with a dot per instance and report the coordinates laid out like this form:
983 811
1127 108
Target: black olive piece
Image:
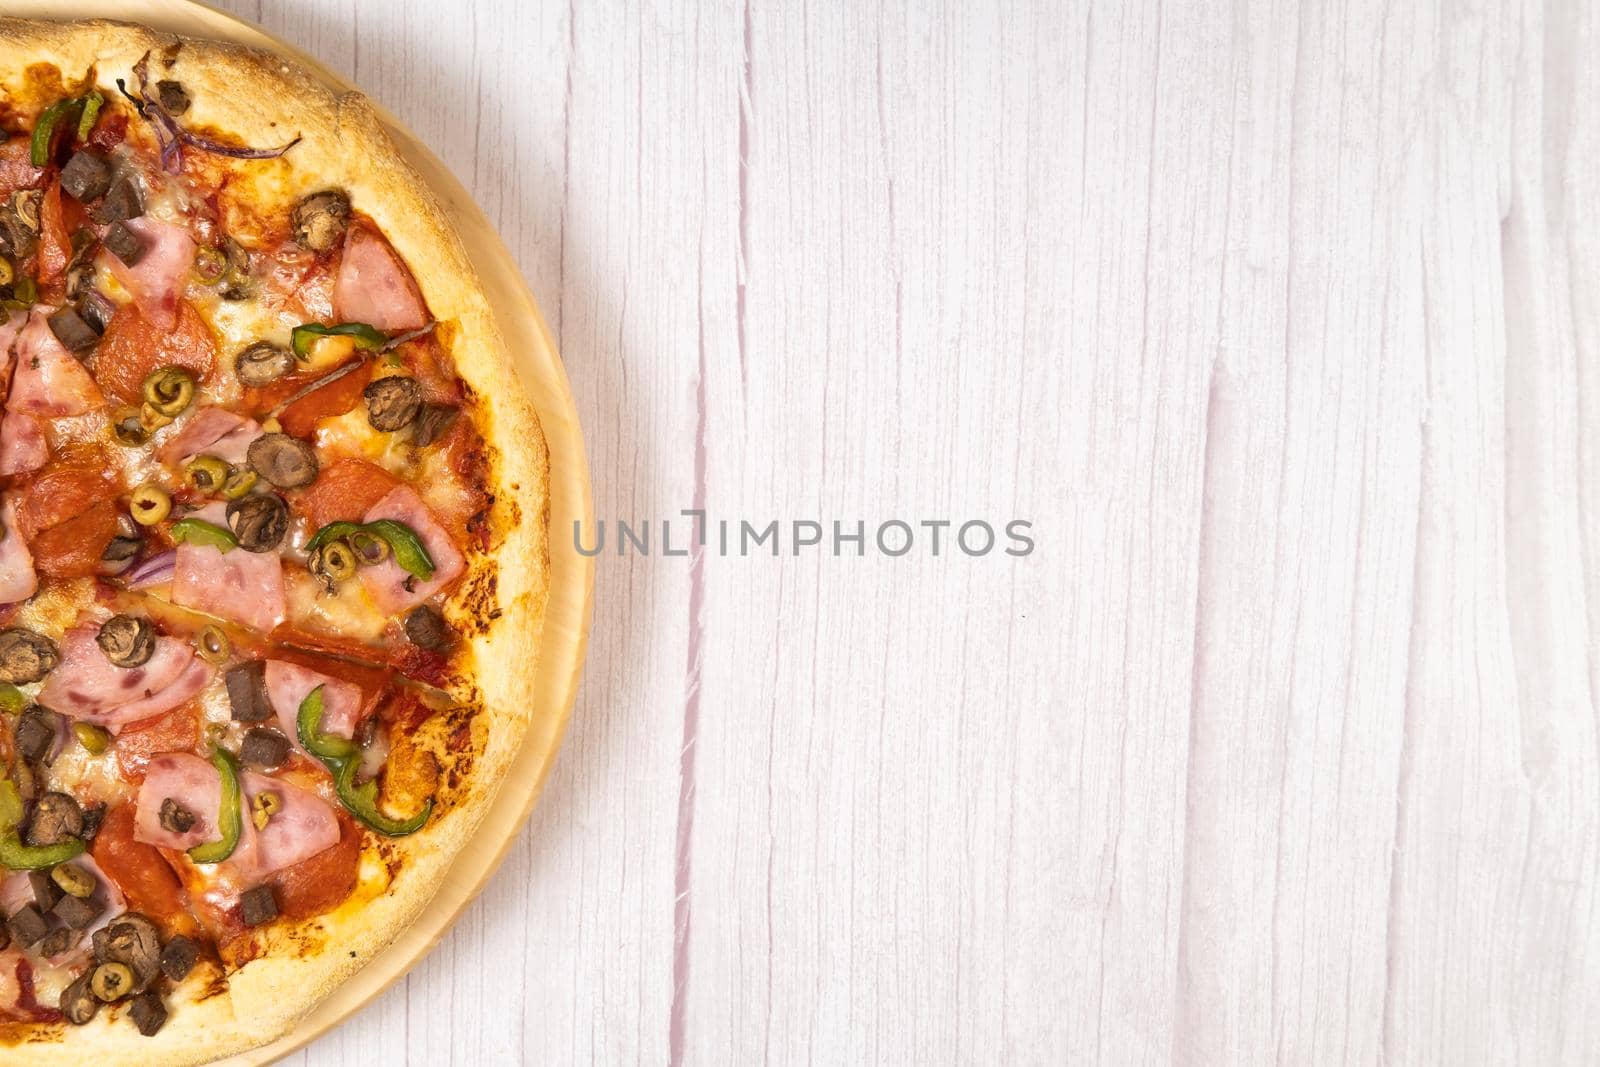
148 1013
35 733
427 629
320 220
56 942
126 640
173 96
56 818
247 691
78 912
259 521
26 656
74 332
263 363
392 402
258 906
175 817
45 890
86 176
133 940
93 815
123 200
78 1002
264 747
27 925
124 243
284 461
431 424
179 957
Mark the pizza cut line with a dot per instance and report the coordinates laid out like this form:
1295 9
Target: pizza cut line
250 513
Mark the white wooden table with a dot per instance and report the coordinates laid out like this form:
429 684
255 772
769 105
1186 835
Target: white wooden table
1281 327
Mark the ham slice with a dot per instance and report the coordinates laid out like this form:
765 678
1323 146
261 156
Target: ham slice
303 826
22 444
189 781
288 684
212 431
373 286
87 686
48 380
392 588
243 587
187 686
18 581
156 281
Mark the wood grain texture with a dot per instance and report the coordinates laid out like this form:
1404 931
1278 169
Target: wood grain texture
1277 321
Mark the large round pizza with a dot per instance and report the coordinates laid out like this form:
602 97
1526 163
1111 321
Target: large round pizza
273 545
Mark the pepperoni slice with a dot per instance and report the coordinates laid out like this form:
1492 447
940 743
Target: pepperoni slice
345 490
72 549
16 169
55 248
132 347
63 489
141 872
337 397
176 731
320 884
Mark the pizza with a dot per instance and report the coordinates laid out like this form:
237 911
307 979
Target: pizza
273 544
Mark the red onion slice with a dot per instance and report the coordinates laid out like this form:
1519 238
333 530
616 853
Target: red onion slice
157 569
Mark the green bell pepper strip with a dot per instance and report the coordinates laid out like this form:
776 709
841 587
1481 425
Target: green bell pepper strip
92 103
409 551
201 532
366 337
44 133
12 699
20 857
342 757
229 819
331 532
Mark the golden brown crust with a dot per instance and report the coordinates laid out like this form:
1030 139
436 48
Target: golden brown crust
262 99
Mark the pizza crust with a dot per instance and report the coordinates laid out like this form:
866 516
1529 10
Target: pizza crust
264 99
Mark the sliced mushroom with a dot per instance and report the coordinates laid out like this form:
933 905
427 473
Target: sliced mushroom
56 818
26 656
175 817
431 424
19 222
134 940
173 96
126 640
284 461
320 220
259 521
427 629
263 363
36 733
392 402
78 1002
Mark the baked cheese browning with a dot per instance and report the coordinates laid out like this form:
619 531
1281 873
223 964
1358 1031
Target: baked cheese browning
236 464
